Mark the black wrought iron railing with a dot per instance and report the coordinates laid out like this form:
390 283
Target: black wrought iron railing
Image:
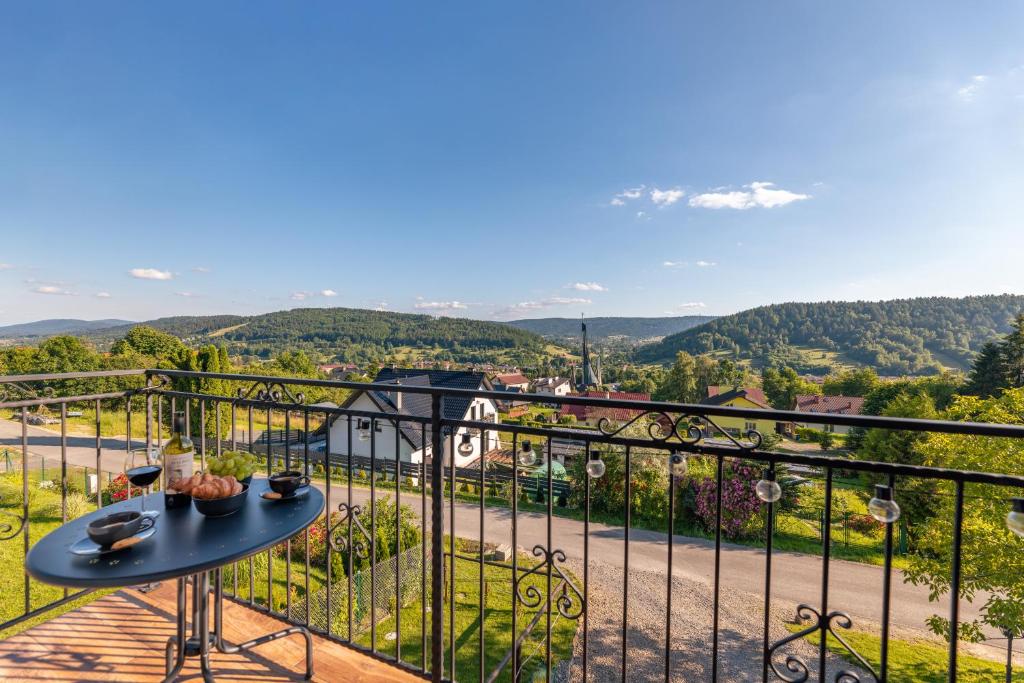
433 555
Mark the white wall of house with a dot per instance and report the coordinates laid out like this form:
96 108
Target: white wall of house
383 442
559 390
480 409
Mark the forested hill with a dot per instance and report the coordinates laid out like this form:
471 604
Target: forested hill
42 328
350 334
634 329
905 336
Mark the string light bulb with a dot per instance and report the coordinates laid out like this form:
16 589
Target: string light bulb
595 466
767 489
1015 518
466 447
882 507
677 464
526 454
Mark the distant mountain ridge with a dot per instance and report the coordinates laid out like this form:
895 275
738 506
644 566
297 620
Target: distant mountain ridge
351 334
901 336
633 328
43 328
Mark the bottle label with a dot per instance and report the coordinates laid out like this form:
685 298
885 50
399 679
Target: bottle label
178 466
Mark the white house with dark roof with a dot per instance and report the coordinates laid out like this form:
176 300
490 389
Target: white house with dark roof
378 437
555 386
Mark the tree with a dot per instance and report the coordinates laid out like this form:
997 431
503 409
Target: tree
851 382
781 387
992 557
903 447
680 384
988 375
150 342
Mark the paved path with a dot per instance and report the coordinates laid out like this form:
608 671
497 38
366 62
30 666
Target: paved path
796 578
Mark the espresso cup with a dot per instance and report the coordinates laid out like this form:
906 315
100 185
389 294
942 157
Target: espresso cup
286 483
112 528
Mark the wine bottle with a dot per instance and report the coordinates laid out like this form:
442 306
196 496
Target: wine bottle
178 452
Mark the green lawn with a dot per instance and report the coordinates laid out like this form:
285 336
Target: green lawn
45 515
916 661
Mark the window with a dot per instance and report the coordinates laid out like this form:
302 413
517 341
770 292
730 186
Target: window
749 426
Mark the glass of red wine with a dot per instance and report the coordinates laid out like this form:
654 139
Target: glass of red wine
142 467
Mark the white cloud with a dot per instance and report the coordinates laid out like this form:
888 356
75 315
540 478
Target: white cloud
688 306
587 287
53 290
102 295
328 292
542 304
629 193
300 296
673 264
380 306
187 295
756 194
706 264
6 266
151 274
665 198
969 91
441 305
202 269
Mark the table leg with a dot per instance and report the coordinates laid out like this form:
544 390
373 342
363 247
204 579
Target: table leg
172 669
199 644
223 646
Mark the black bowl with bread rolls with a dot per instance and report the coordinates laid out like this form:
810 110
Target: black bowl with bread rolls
213 496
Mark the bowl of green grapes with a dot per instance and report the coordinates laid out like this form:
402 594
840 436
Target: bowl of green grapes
239 464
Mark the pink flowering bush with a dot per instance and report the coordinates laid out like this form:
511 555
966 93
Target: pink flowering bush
741 508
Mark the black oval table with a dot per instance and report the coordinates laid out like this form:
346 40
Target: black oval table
189 547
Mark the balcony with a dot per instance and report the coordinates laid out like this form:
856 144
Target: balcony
501 570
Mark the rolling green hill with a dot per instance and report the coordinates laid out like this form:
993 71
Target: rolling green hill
632 329
347 334
905 336
44 328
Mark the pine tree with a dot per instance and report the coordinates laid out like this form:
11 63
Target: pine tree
988 375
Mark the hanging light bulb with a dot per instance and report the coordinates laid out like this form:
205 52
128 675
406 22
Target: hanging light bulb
677 464
466 447
767 489
364 430
882 507
526 455
595 466
1015 518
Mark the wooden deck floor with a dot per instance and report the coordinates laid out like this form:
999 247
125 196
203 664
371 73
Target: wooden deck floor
121 637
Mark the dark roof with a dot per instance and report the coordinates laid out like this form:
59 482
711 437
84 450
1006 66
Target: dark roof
726 396
755 394
418 405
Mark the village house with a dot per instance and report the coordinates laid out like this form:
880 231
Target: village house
741 397
591 415
554 386
515 381
828 405
414 441
338 370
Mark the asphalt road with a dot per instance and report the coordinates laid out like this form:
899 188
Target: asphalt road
796 578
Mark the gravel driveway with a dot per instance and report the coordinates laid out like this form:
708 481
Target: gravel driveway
740 631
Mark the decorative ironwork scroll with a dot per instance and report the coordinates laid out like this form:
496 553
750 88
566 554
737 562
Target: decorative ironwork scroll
15 391
9 530
269 390
686 430
340 540
795 670
569 602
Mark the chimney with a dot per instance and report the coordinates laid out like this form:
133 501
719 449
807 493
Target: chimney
398 396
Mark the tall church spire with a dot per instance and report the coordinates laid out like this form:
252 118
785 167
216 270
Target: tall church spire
589 379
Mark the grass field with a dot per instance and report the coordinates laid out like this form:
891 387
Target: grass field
916 661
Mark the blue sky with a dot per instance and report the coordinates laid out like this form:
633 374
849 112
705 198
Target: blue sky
504 160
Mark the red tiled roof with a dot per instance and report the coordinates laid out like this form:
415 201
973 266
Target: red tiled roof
834 405
514 378
756 394
583 413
